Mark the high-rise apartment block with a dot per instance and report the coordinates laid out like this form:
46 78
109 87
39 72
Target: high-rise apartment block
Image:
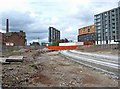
107 25
54 34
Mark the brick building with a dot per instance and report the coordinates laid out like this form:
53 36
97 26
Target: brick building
14 38
17 38
0 41
87 35
0 38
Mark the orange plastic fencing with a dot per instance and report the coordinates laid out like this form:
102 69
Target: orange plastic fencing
61 47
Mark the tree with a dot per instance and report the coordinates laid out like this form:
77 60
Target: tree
56 43
35 44
64 40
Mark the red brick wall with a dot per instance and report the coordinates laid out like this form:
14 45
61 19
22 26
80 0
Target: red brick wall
0 37
16 39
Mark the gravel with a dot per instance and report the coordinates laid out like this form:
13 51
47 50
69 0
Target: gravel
49 69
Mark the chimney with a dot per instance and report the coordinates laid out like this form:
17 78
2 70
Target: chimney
7 25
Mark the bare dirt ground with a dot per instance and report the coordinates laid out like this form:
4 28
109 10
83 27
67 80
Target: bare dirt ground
107 51
52 70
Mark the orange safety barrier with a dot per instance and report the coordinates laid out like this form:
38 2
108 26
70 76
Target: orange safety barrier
61 47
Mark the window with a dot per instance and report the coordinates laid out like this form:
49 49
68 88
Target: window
106 26
83 30
98 16
106 30
88 29
113 15
113 37
99 35
98 20
98 31
98 27
98 24
99 39
106 34
105 14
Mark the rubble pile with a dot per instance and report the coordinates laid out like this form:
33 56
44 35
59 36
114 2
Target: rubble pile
49 69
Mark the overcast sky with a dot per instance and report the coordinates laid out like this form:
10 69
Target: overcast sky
35 16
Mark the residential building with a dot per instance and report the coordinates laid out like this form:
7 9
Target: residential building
54 34
107 25
87 35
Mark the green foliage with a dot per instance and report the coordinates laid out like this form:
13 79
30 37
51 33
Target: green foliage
55 43
35 44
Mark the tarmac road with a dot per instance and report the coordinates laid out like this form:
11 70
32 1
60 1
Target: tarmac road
106 63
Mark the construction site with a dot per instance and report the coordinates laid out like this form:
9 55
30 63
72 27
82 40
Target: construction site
34 53
53 68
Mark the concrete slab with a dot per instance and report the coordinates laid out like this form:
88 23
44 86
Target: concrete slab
3 60
14 59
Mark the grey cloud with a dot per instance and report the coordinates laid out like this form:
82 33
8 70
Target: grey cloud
38 26
23 21
35 36
17 19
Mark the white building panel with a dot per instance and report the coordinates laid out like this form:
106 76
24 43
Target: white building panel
112 42
71 44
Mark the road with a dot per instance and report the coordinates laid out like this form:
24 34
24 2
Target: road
106 63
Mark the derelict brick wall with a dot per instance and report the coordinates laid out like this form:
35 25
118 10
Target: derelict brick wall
16 39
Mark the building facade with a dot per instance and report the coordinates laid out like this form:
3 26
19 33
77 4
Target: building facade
0 41
87 35
16 38
12 38
54 34
107 25
0 38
